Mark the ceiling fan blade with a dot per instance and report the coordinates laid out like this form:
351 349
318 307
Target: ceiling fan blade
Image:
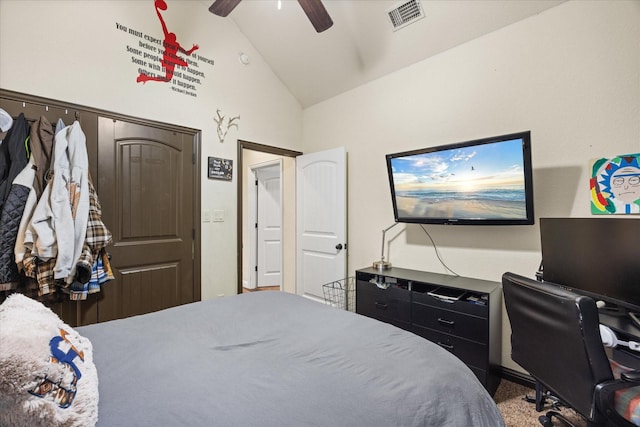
317 14
223 7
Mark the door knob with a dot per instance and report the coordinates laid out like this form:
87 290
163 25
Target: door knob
339 246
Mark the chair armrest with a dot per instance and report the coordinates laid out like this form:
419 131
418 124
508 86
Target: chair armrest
605 395
633 376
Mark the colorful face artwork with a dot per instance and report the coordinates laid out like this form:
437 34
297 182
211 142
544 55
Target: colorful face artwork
615 185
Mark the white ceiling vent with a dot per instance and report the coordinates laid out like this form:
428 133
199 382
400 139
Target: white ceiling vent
405 13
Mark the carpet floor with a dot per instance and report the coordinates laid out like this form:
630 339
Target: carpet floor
517 412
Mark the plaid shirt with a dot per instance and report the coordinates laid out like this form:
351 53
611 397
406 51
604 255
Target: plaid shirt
97 238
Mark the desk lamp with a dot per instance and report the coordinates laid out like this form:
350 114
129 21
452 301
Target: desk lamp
382 264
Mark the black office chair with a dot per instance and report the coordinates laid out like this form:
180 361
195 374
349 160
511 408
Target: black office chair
555 337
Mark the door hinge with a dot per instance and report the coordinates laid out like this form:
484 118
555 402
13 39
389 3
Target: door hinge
193 158
256 182
256 225
256 268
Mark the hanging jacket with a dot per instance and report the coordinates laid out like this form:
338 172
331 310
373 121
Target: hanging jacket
90 266
40 251
41 147
10 216
13 155
14 191
41 144
97 238
70 203
59 224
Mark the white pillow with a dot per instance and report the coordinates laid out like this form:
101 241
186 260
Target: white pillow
47 375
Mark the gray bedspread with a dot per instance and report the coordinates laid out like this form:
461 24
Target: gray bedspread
276 359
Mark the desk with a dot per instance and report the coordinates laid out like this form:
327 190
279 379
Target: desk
625 330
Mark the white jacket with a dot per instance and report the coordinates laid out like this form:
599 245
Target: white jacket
60 219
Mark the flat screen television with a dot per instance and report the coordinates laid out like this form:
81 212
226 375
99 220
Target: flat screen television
598 257
481 182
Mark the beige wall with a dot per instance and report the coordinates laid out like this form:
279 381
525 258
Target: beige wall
571 75
72 51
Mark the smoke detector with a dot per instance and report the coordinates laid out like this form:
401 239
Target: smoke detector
405 13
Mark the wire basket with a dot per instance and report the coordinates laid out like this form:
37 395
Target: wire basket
341 294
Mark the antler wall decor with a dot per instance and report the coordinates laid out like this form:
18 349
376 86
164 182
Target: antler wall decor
222 128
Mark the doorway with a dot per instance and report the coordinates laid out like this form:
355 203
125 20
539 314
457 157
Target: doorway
314 242
265 211
254 154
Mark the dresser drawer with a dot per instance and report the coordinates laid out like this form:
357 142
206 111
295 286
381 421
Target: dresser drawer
451 322
469 303
391 305
470 352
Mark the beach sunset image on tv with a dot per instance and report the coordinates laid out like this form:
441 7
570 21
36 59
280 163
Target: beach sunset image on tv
484 181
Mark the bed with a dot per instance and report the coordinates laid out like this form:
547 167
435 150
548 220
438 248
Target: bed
274 359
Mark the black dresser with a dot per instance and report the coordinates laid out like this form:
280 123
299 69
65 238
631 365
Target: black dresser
461 314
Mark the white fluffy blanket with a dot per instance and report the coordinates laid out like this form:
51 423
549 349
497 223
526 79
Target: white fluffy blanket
47 375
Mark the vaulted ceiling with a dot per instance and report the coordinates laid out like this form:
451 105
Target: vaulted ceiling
362 45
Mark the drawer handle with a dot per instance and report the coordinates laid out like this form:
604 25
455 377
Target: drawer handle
444 345
381 306
446 322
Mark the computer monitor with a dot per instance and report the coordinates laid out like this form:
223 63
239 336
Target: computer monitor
599 257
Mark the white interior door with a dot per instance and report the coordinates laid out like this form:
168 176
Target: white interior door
269 225
321 206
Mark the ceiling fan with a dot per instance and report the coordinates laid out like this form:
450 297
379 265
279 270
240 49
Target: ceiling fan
314 9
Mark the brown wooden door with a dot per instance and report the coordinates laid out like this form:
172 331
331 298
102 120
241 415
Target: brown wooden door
146 187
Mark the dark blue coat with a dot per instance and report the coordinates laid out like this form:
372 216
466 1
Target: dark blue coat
13 155
13 159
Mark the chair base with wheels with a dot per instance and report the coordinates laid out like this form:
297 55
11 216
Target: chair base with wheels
543 398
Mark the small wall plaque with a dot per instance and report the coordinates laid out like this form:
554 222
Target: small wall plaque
220 168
